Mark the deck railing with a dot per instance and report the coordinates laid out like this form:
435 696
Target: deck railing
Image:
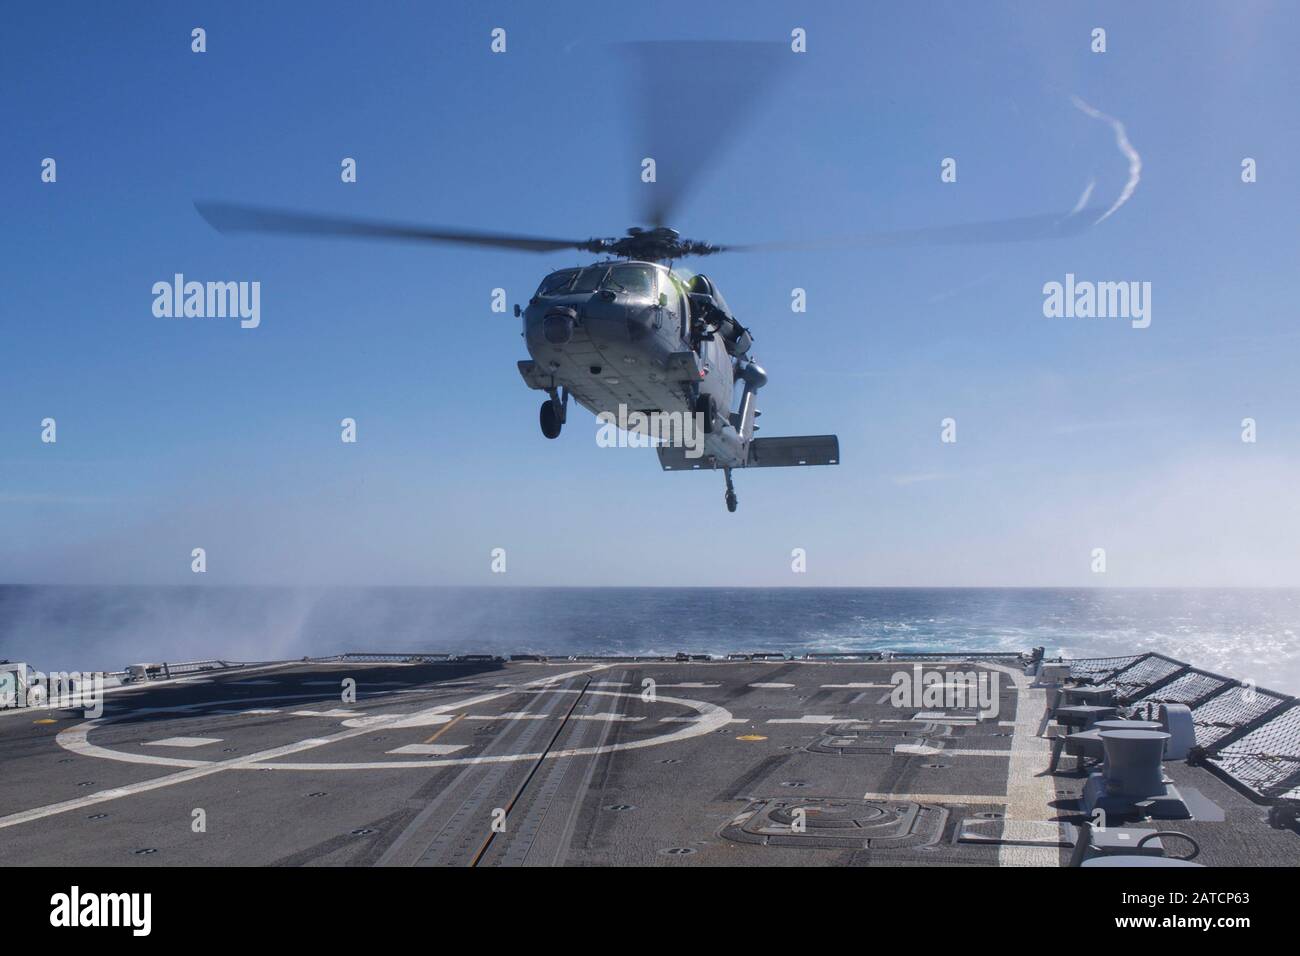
1247 735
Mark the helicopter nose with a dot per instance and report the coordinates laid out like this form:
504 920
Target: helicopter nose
557 325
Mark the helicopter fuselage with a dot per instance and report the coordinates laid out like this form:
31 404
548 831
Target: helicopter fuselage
627 343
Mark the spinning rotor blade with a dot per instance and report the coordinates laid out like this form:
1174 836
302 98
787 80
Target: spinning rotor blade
234 218
689 99
1023 229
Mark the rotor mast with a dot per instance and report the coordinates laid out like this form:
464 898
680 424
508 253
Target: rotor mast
660 244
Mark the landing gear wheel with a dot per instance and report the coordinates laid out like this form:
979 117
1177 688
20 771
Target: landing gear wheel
732 500
707 407
550 419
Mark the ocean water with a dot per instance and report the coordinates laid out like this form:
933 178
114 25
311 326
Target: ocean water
1239 632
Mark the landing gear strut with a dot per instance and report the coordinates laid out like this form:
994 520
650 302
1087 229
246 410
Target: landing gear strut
732 500
553 413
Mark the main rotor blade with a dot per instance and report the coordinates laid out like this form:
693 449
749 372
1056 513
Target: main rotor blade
689 98
236 218
1058 225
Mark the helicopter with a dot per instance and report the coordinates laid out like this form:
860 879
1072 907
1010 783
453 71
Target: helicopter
631 331
634 333
625 332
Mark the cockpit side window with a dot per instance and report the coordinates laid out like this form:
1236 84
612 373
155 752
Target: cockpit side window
703 284
720 302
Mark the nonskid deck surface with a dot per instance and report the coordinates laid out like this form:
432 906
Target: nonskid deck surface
500 764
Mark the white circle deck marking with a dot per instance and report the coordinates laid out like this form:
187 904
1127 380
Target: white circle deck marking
205 769
710 718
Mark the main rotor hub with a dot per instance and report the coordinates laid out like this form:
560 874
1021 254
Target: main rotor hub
652 245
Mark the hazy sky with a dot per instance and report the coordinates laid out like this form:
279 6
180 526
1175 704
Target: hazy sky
1072 433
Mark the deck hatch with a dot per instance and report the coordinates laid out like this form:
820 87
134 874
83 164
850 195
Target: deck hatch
839 824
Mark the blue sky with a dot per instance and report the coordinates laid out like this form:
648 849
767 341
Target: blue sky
1073 434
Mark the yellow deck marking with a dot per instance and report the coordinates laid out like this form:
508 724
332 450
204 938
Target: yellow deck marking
445 728
751 737
45 720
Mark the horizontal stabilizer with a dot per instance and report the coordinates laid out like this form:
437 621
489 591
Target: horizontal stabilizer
794 450
673 458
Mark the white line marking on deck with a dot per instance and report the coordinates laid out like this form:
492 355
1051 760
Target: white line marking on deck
421 719
183 742
772 686
337 712
853 686
921 750
429 750
605 717
809 719
916 750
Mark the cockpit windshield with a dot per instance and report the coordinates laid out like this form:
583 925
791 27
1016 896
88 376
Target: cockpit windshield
589 279
627 278
632 279
556 283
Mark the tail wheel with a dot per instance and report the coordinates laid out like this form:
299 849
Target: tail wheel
549 417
